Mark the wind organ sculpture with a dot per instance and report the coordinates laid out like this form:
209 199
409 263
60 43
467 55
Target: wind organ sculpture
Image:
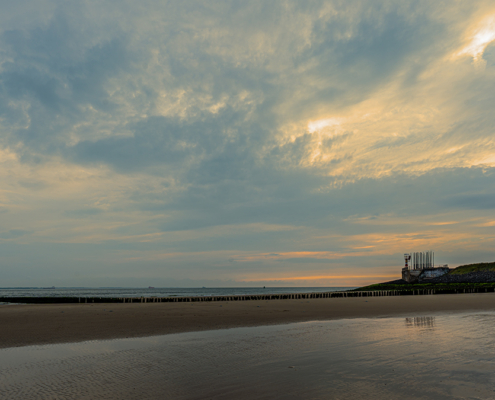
420 266
419 260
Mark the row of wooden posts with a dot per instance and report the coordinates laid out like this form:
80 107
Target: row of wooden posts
288 296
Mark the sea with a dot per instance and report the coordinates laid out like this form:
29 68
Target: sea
419 356
158 292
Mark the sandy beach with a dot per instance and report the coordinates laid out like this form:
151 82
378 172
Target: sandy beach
24 325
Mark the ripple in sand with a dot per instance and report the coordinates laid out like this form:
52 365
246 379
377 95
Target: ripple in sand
440 357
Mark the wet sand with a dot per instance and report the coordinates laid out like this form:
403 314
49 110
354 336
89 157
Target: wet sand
24 325
442 357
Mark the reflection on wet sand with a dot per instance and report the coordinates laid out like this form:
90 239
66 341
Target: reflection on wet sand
421 322
360 358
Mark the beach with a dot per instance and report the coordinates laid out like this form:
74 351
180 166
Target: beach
441 356
27 325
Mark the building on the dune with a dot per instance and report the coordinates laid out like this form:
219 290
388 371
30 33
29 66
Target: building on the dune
421 266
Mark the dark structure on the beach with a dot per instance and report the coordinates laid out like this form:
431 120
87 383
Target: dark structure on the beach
421 265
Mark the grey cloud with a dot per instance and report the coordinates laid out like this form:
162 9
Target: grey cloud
56 73
59 71
48 65
489 55
158 141
313 260
286 200
83 212
240 240
356 56
59 77
33 184
393 142
310 260
14 234
477 201
216 142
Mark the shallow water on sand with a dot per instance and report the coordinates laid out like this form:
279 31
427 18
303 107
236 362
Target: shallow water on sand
424 357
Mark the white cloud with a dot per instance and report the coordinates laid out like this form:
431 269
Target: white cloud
483 35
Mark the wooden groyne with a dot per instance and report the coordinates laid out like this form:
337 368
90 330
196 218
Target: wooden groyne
289 296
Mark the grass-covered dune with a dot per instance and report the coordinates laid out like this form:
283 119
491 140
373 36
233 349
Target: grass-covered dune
421 286
464 269
481 275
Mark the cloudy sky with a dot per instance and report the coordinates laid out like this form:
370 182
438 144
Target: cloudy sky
230 143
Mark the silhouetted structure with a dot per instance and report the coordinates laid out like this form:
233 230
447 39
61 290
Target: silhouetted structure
421 265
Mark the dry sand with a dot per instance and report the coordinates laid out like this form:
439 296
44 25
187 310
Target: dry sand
22 325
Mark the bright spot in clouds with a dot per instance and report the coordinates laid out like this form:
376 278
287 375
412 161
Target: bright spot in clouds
483 36
314 126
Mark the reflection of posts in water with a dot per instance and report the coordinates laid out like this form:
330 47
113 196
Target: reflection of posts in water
421 322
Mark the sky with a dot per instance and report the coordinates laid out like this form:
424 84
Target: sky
230 143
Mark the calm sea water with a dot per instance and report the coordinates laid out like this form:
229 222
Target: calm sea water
416 357
158 292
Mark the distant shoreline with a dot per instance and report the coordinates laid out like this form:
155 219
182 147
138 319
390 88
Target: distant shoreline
133 292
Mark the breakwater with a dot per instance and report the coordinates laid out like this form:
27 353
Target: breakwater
290 296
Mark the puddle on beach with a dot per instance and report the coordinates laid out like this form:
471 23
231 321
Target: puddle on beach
433 357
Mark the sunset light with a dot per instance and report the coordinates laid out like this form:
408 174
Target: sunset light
210 145
314 126
483 36
225 199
